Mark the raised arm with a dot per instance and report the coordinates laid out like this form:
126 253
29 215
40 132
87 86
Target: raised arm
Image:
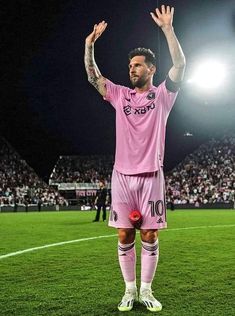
94 75
164 20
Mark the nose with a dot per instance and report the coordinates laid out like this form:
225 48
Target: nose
132 71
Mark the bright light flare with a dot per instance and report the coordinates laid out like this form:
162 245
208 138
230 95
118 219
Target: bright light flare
209 75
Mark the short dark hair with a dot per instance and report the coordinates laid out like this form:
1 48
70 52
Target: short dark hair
102 181
146 52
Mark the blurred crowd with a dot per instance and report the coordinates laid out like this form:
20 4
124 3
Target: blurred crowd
82 169
19 184
205 176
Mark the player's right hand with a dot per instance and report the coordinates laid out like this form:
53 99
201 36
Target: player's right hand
96 33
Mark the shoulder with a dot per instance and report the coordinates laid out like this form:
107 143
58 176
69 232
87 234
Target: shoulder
167 86
110 84
115 91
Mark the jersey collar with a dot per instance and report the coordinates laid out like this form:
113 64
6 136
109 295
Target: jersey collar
151 88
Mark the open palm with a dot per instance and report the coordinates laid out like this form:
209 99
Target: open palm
96 33
164 17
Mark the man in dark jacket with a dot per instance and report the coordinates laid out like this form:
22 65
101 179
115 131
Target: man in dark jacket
101 201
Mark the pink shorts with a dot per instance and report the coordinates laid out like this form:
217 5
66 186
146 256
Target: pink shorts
144 192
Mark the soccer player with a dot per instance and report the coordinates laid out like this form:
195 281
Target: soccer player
137 179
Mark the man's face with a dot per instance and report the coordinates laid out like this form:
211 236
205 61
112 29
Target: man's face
140 72
101 184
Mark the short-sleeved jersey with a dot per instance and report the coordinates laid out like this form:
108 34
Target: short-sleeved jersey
140 126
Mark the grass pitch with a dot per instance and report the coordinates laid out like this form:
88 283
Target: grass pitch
195 274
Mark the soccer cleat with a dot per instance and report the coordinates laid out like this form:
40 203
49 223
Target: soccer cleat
128 300
146 298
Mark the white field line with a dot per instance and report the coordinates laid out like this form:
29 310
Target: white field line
16 253
11 254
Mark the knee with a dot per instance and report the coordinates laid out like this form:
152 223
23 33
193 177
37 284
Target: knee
126 236
149 236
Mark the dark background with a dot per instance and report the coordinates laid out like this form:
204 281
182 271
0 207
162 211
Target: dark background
49 109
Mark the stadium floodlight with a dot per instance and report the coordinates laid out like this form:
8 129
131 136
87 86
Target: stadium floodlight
188 134
209 75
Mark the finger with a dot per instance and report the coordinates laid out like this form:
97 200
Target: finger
101 24
105 26
155 18
163 9
158 13
153 15
168 9
101 28
172 11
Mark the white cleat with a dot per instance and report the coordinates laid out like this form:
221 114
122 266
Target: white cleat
146 298
128 300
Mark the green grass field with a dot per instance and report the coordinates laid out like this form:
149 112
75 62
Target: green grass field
195 274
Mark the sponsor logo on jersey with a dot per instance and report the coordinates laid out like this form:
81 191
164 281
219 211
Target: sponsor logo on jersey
138 111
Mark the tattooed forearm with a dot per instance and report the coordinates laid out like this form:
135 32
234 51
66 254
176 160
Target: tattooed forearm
92 69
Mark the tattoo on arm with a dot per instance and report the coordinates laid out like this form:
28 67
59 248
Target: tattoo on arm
92 69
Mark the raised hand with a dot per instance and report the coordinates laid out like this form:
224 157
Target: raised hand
164 17
96 33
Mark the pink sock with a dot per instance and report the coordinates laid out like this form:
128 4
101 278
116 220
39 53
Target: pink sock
127 261
149 260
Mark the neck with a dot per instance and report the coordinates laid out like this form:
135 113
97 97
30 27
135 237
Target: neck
144 88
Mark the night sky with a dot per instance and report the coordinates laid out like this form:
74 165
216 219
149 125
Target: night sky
49 109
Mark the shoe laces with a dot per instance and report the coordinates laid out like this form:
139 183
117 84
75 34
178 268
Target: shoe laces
129 295
148 293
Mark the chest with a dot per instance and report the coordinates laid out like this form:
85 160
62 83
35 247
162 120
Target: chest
138 106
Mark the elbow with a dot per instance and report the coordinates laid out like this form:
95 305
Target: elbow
179 62
182 63
89 79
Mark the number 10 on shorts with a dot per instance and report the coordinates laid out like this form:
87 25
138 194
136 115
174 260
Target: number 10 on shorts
157 208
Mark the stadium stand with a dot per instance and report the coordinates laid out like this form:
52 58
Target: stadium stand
77 178
20 185
82 169
205 176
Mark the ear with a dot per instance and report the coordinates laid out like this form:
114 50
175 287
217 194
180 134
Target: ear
152 69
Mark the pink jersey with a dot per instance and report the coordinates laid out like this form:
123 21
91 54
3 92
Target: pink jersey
140 126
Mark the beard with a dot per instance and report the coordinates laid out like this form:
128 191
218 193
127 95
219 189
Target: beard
138 82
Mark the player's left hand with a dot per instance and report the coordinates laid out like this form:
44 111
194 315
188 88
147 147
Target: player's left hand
164 17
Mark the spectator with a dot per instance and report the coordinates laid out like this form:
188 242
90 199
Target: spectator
205 176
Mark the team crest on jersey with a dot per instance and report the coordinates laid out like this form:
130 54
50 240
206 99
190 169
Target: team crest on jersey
151 96
127 110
